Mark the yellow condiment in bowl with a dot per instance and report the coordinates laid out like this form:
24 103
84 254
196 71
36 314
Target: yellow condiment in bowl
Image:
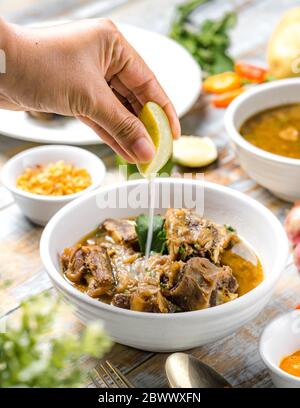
56 179
291 364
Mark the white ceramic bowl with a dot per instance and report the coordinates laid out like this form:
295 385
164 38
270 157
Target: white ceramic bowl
39 208
280 175
180 331
280 339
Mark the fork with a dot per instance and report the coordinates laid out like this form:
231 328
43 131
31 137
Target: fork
106 375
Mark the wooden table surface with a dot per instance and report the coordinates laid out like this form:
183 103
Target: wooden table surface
21 271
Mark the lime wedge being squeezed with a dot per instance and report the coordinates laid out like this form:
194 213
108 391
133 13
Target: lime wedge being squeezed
157 124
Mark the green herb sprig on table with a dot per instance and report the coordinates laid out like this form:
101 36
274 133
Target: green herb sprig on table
31 357
208 43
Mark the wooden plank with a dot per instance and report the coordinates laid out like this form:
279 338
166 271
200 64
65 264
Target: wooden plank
126 359
19 248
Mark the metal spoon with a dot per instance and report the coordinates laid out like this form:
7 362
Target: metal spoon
186 371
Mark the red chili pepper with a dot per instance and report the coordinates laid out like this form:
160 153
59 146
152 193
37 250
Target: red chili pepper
251 72
223 100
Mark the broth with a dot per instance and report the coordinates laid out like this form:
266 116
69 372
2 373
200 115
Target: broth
275 130
245 265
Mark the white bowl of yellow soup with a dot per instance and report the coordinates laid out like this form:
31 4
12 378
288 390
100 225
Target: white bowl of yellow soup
279 341
276 169
168 331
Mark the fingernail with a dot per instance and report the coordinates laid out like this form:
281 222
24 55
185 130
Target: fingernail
143 149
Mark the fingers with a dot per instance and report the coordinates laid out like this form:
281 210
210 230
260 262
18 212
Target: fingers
140 80
106 138
151 91
120 124
129 96
123 100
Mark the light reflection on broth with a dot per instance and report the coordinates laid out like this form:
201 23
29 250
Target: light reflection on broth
245 265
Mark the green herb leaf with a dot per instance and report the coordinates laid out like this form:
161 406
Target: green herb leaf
181 252
185 9
208 43
32 355
222 63
131 172
229 228
270 78
159 234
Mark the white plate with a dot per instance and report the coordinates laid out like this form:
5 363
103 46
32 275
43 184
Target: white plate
176 70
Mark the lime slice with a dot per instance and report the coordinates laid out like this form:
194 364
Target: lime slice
156 122
193 151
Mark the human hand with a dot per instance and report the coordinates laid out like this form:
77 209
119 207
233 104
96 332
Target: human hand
85 69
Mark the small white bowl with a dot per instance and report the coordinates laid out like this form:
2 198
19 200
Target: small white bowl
177 331
40 208
280 175
281 338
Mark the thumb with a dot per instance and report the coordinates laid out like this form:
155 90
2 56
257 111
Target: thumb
127 130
